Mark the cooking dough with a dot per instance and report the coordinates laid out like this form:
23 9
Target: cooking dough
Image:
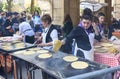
45 55
100 50
106 44
42 51
7 47
19 45
70 58
79 65
97 46
28 53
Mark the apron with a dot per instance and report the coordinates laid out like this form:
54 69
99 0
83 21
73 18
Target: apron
87 54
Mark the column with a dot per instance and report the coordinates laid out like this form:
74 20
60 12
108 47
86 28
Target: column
62 7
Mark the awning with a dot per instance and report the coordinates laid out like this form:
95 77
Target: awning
94 6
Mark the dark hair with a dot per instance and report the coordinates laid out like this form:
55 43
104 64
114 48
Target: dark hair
37 12
100 14
8 14
21 20
86 17
46 18
95 19
67 18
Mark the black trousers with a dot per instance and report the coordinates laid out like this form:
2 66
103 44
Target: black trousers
30 39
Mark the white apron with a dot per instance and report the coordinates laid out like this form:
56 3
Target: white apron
87 54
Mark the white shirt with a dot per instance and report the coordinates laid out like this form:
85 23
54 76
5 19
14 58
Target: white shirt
36 20
53 35
26 29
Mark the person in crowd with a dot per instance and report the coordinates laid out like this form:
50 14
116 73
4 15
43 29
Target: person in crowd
84 38
67 25
49 34
30 21
24 13
37 22
113 27
15 21
26 31
2 20
95 24
8 25
67 28
101 25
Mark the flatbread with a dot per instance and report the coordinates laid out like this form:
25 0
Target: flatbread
70 58
42 51
45 55
97 46
7 47
29 53
79 65
106 44
19 45
100 50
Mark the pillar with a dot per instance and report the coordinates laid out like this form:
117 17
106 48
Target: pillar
108 10
62 7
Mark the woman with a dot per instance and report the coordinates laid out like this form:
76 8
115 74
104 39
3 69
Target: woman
49 34
67 28
27 32
37 22
101 26
68 25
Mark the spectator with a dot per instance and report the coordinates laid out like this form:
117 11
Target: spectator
8 25
29 20
37 22
67 28
26 31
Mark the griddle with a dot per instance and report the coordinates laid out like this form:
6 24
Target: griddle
12 44
57 67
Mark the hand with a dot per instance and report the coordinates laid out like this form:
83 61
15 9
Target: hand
42 44
8 27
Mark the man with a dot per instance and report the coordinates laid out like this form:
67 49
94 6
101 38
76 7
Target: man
84 38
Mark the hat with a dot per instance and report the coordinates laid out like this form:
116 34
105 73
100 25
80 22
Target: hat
9 14
15 13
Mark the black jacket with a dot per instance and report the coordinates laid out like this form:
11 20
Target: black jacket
81 38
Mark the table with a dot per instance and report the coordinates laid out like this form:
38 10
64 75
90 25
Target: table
108 59
57 67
